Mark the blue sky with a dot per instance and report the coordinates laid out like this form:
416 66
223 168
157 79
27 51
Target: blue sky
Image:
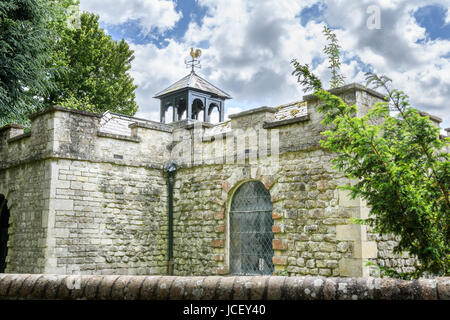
191 12
248 45
432 18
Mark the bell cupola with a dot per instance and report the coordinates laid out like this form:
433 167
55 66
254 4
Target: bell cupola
192 97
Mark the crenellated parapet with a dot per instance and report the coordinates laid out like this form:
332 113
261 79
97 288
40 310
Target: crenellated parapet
72 134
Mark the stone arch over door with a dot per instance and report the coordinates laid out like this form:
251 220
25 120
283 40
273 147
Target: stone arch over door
4 225
250 230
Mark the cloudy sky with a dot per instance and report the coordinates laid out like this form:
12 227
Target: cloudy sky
247 45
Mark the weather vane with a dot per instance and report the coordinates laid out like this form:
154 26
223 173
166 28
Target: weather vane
195 62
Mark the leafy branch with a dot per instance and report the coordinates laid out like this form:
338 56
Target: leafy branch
399 163
305 77
332 50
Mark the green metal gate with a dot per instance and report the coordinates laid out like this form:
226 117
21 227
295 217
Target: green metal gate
251 230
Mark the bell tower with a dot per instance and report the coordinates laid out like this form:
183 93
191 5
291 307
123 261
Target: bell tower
192 97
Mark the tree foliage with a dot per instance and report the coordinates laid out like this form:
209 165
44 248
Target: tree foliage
44 61
400 168
24 50
305 77
332 49
311 82
96 74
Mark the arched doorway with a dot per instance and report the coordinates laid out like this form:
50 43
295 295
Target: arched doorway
168 114
214 113
181 109
4 224
197 107
251 233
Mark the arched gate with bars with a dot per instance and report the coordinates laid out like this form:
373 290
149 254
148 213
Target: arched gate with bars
251 233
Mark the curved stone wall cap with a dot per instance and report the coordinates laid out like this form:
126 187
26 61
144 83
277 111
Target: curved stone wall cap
434 118
59 108
11 126
253 111
348 87
123 287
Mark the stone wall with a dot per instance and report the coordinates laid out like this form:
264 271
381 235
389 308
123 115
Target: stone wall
313 234
26 189
109 219
89 200
387 258
63 287
82 201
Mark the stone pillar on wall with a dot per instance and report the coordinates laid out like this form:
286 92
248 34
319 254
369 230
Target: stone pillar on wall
356 235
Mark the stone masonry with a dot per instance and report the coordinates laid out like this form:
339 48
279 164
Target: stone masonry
87 193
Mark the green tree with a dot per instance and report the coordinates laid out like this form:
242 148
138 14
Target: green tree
308 80
24 50
400 168
44 61
96 74
332 49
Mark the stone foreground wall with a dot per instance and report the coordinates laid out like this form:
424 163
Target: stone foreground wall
38 286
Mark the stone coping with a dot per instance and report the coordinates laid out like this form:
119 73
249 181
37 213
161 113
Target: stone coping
118 136
273 124
153 126
202 124
48 155
11 126
252 111
432 117
125 287
19 137
186 123
58 108
348 87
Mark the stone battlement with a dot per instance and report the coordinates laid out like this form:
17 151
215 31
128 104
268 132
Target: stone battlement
72 134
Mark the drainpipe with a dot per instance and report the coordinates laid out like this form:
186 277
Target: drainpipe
170 168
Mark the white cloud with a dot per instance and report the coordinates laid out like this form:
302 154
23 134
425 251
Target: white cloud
251 44
151 14
232 110
154 69
253 66
418 68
